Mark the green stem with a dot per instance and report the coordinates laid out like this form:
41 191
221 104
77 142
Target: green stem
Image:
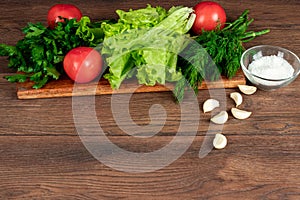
251 35
239 21
249 22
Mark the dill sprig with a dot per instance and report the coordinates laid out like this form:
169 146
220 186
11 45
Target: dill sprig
214 53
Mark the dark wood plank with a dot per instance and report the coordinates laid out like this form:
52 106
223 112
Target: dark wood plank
60 167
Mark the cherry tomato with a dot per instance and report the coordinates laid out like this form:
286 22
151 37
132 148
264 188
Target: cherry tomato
67 11
83 64
209 15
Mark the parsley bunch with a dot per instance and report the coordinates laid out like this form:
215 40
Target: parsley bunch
39 55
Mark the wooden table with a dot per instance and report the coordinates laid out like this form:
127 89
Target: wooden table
42 156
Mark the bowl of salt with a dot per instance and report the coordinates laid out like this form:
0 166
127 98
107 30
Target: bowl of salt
270 67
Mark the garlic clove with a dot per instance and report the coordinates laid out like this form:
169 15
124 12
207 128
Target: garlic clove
247 89
220 141
210 105
237 97
220 118
240 114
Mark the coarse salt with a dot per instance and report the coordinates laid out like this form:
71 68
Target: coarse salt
271 67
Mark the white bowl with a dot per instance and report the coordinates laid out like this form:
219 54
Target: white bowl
260 80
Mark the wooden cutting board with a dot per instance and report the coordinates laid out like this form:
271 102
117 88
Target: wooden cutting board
64 87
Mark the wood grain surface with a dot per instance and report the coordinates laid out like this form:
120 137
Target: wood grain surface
43 157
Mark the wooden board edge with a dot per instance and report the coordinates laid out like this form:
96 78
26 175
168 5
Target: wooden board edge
66 88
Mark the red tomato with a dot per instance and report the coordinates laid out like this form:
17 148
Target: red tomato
67 11
208 16
83 64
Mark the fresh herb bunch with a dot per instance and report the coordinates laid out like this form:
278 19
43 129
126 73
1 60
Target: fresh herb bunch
39 55
214 53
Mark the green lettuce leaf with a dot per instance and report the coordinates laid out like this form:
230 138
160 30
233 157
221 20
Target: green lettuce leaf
146 46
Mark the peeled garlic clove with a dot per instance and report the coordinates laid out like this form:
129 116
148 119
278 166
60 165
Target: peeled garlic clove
240 114
247 89
220 141
220 118
237 97
210 105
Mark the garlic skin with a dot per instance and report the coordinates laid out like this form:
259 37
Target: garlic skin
210 105
247 89
220 118
220 141
237 97
240 114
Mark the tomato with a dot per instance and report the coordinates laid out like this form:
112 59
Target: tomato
83 64
67 11
209 15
